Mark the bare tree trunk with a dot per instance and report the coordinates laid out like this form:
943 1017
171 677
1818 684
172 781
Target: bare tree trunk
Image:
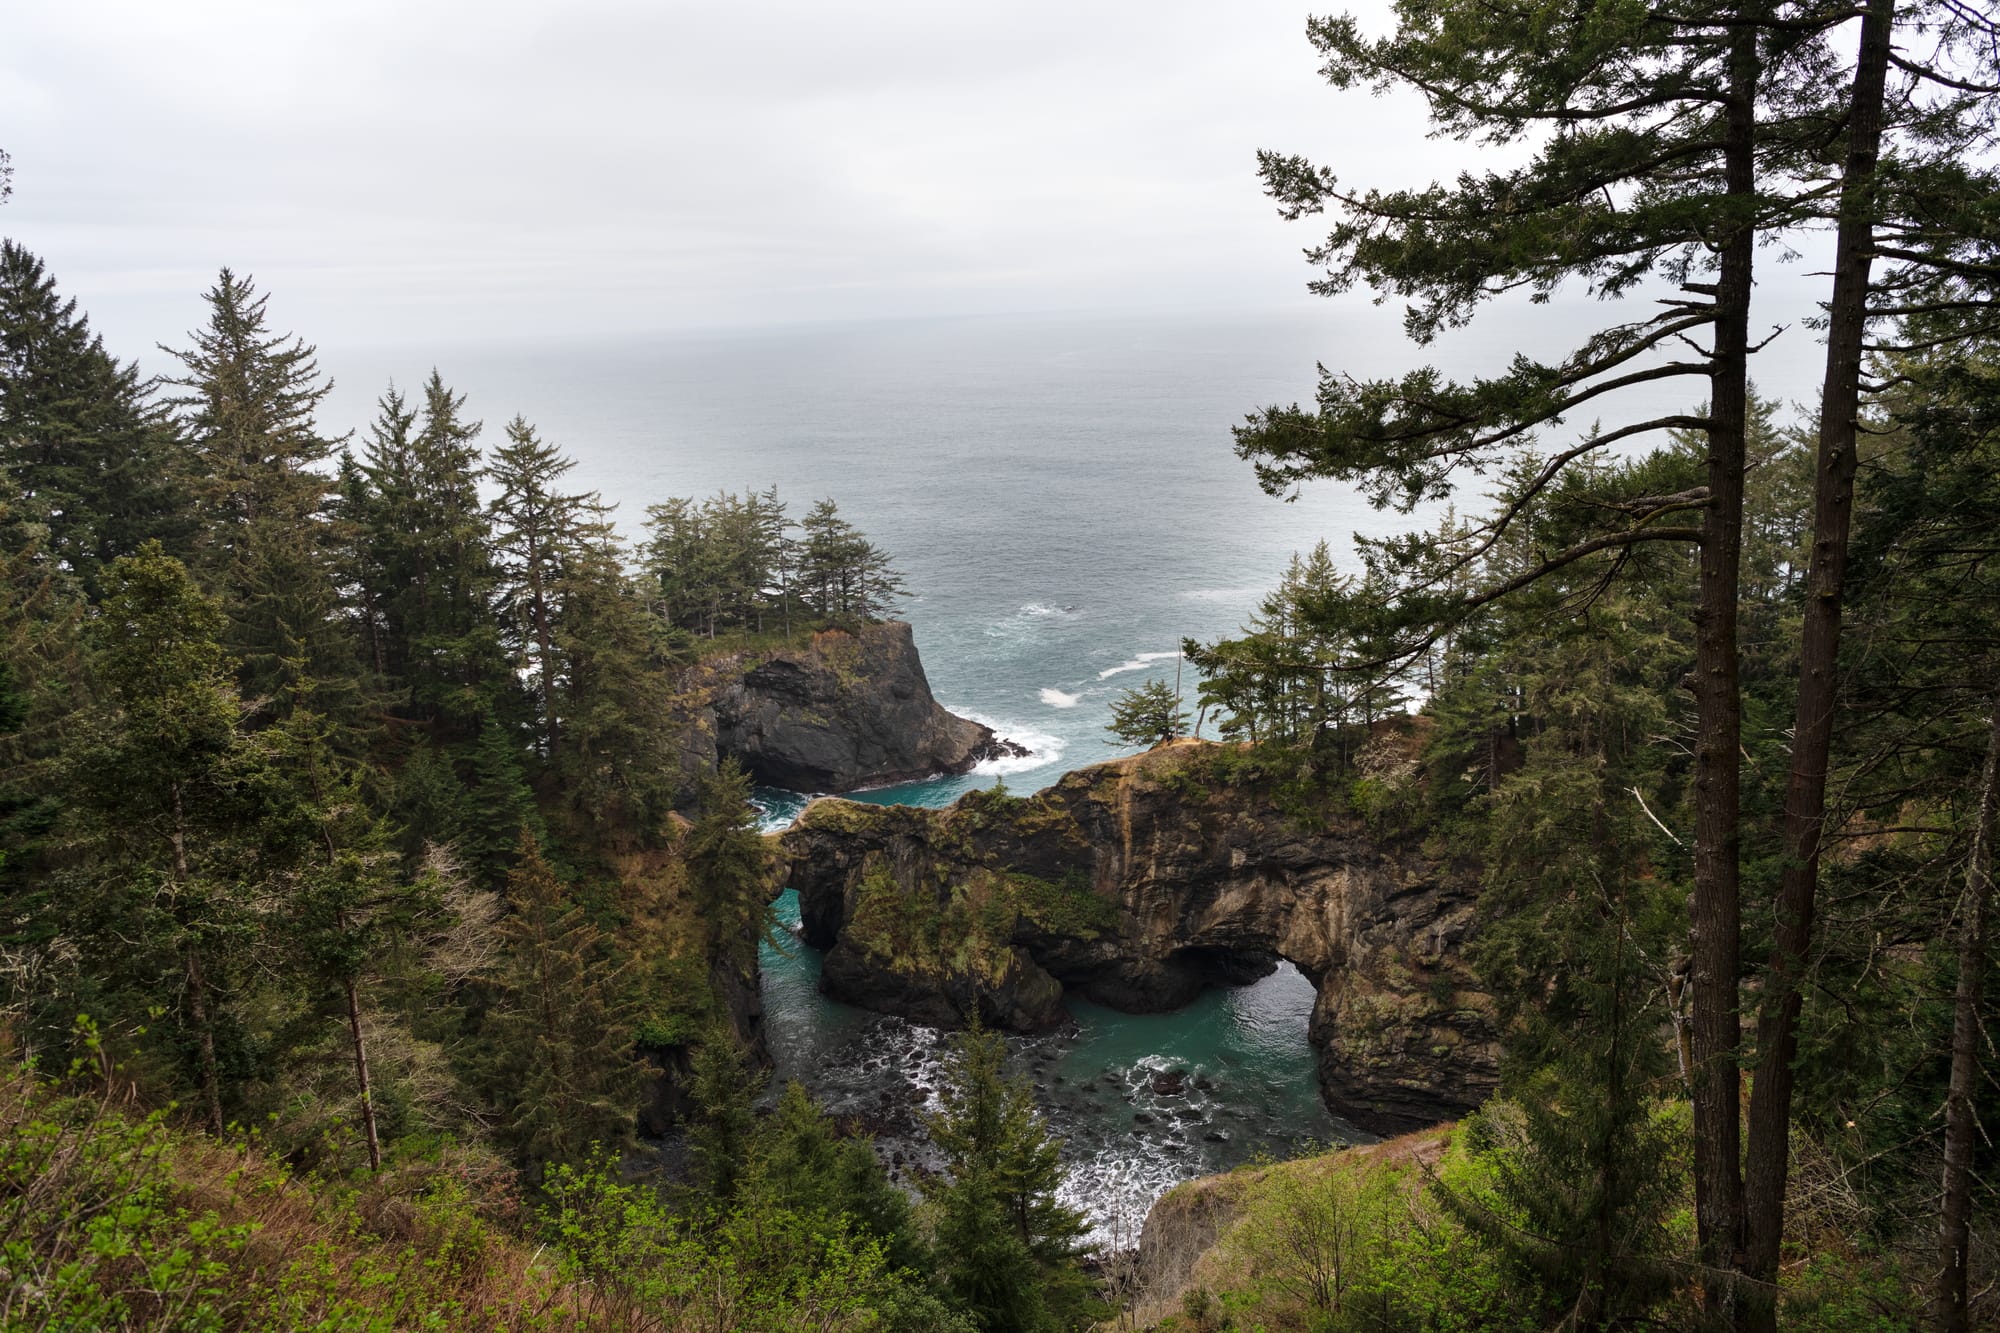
1767 1163
361 1075
1961 1120
1715 923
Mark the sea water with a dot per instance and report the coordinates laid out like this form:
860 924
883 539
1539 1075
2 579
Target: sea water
1064 501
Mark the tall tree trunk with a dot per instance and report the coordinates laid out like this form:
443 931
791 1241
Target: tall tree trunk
361 1074
204 1034
1961 1122
1767 1163
197 982
1715 922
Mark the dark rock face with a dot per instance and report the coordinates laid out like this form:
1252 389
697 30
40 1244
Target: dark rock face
846 709
1173 883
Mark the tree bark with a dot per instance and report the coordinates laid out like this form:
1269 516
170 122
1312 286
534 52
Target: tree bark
204 1034
1716 925
361 1075
1961 1120
1767 1163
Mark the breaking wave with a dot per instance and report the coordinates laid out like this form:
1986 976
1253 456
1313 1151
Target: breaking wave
1138 663
1055 698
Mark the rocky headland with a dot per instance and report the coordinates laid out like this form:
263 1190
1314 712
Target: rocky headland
1138 882
841 710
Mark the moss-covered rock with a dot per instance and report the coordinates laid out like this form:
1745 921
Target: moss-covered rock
1137 883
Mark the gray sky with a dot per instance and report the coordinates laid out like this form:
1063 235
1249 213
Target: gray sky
411 170
420 172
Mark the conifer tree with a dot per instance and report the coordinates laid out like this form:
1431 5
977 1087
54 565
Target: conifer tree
841 574
348 907
41 653
1662 141
725 1088
803 1163
161 778
247 406
536 529
84 451
1006 1245
562 1030
499 806
614 765
1147 714
729 868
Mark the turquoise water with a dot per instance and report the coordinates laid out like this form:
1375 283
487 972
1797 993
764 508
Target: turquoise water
1245 1085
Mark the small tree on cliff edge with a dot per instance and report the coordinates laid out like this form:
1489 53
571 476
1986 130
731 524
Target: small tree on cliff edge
1147 715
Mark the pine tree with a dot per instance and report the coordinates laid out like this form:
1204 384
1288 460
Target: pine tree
725 1088
842 576
803 1163
499 806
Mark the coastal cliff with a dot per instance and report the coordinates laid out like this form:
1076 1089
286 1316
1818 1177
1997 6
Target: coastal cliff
1135 884
843 709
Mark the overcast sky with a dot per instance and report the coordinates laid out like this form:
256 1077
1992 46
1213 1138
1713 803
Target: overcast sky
441 169
417 172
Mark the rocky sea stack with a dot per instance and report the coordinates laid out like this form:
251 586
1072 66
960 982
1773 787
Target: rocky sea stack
844 709
1137 883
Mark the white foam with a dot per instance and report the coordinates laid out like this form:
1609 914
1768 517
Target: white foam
1057 699
1043 749
1138 663
1223 594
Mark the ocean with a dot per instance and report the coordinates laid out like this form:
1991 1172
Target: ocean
1061 495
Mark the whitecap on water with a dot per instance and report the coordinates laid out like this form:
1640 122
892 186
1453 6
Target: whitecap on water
1137 663
1055 698
1223 594
1043 749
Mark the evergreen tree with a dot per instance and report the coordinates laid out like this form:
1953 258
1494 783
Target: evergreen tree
247 407
729 868
161 780
84 452
348 908
614 765
41 655
1147 714
805 1165
562 1028
499 806
426 561
1006 1246
725 1089
842 576
536 530
1576 939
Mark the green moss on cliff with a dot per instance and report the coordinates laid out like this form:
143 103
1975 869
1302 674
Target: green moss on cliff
968 925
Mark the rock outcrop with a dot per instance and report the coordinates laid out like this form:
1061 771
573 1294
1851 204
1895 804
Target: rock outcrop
845 709
1135 884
